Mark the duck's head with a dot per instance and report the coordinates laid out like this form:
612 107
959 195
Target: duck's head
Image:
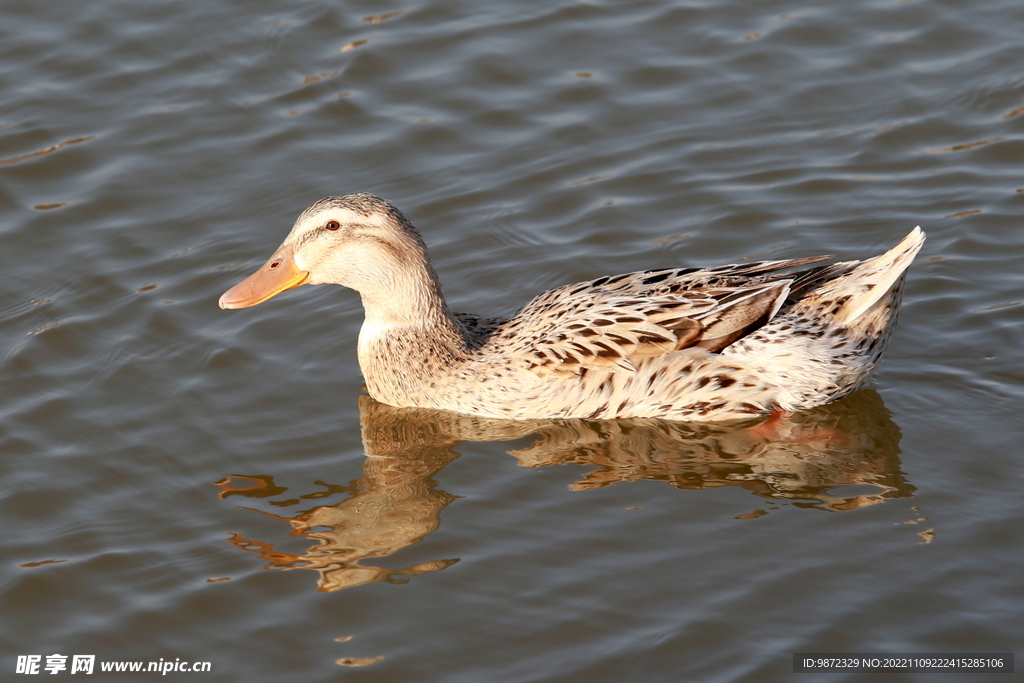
357 240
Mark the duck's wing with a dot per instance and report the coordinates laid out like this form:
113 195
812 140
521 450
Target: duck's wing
611 322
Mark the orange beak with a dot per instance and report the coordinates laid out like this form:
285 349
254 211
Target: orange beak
277 275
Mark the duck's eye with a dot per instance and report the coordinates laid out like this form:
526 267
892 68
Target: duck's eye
332 225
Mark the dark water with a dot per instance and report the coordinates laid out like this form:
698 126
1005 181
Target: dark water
184 482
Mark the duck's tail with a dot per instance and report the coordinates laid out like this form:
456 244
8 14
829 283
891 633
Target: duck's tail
870 281
834 333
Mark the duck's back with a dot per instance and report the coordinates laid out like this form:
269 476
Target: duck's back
723 343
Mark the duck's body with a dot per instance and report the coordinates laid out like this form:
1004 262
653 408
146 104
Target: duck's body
683 344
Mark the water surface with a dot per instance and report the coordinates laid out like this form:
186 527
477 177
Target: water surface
185 482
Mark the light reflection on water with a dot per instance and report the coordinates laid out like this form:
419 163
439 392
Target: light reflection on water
799 458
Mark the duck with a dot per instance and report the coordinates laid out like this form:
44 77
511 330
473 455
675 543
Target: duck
725 343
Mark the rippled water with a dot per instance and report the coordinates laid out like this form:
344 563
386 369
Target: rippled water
184 482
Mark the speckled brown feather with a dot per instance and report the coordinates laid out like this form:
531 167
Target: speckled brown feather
610 323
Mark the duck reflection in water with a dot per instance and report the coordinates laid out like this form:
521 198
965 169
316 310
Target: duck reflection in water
800 457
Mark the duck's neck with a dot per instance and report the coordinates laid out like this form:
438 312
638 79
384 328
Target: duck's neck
408 338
